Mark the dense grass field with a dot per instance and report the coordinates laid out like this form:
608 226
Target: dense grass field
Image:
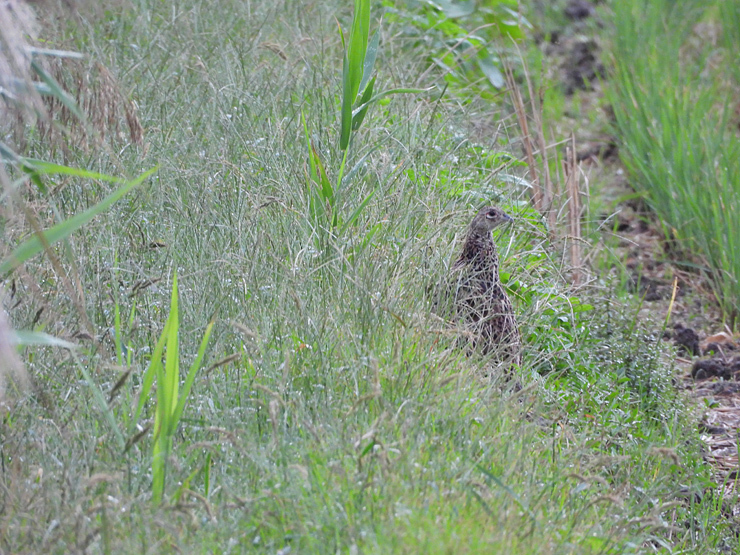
332 412
675 103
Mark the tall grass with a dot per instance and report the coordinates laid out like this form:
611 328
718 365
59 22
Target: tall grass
677 144
334 413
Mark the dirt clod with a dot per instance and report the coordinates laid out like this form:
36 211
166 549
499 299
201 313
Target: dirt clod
579 9
652 290
582 66
686 340
727 369
598 151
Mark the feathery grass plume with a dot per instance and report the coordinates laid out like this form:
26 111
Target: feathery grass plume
10 363
17 24
105 111
69 99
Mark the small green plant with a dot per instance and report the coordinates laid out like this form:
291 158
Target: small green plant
358 94
170 400
358 81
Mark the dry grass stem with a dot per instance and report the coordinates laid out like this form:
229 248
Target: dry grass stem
572 173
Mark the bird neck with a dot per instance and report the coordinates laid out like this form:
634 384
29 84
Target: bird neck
479 247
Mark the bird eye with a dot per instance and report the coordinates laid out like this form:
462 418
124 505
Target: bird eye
491 215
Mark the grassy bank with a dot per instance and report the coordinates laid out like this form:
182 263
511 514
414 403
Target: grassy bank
334 414
673 100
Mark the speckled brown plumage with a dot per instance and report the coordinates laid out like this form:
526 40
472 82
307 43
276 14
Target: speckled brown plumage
481 305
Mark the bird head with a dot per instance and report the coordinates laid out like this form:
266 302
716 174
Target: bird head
489 218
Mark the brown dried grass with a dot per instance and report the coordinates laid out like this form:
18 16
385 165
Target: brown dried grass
550 197
110 114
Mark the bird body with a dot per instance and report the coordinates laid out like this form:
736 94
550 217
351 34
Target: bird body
481 305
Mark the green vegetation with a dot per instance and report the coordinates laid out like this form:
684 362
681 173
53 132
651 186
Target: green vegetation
673 99
466 42
333 413
170 401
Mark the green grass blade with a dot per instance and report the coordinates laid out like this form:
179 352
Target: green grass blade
367 94
522 504
326 190
312 163
359 164
340 176
194 367
207 475
62 230
159 455
151 372
100 401
171 377
358 210
8 155
49 168
341 34
37 338
117 338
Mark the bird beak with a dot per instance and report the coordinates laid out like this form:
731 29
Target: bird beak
509 219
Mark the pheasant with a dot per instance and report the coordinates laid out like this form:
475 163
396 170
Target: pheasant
481 305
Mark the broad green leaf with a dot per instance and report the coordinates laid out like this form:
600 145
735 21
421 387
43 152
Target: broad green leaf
358 45
491 71
347 101
191 374
358 118
461 8
353 67
371 54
